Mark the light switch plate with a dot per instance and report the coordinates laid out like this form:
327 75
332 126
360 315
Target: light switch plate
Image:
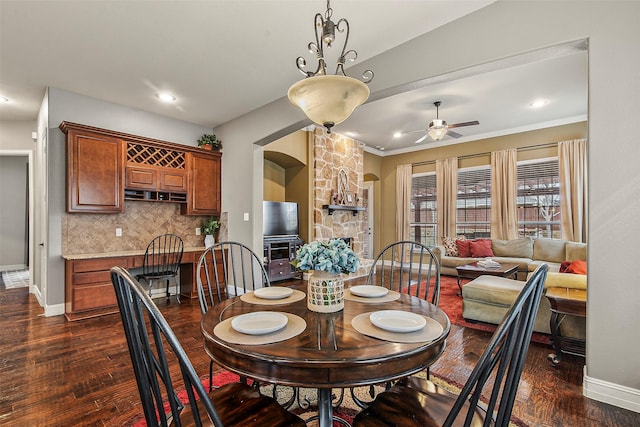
198 231
246 216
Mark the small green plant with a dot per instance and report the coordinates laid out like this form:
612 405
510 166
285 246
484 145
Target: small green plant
210 226
210 139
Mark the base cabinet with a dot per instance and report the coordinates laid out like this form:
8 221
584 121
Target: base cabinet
88 288
278 254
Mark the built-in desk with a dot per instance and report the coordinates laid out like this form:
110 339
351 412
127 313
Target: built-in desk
88 288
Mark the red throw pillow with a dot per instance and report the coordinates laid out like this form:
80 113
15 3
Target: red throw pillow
481 248
464 248
577 267
564 266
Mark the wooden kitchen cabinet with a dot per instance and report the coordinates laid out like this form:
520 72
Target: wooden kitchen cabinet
149 178
88 288
204 185
95 171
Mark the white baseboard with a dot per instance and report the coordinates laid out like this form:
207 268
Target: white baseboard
53 310
613 394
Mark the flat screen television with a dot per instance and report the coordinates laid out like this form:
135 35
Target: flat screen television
280 219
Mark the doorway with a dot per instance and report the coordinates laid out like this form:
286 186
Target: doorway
16 224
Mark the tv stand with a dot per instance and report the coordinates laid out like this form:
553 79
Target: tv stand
279 251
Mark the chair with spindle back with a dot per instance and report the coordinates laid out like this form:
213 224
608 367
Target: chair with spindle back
162 261
160 365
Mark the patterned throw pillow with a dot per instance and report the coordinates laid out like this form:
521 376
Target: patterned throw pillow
450 247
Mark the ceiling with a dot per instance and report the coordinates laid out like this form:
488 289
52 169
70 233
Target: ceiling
223 59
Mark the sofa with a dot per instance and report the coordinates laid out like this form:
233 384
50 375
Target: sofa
488 298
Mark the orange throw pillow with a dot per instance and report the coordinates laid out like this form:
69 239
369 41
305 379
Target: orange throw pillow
481 248
577 267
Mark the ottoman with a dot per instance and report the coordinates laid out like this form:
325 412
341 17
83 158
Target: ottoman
488 298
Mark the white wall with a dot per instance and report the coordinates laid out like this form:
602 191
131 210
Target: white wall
501 30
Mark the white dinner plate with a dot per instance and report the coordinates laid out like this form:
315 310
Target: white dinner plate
273 292
259 322
397 321
369 291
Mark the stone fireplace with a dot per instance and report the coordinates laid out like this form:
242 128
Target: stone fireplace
334 153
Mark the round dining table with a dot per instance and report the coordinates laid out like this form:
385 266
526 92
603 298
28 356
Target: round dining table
329 352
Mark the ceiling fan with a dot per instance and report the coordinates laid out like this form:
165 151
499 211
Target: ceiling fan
438 128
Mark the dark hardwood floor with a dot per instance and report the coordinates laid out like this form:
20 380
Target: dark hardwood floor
59 373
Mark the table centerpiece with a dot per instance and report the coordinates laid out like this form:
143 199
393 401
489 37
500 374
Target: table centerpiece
328 260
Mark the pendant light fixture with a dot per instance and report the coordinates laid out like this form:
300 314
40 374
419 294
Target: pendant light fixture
329 99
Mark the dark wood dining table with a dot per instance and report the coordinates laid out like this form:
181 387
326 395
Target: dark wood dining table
329 353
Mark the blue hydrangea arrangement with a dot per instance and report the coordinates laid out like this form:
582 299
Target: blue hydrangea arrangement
333 256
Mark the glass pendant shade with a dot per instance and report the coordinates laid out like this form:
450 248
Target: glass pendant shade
437 129
328 99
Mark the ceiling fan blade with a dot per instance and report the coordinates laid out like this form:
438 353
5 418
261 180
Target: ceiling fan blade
453 134
422 138
459 125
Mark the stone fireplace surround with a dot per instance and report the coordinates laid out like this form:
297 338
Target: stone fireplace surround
333 152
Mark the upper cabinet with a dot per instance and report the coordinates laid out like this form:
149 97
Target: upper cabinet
95 171
105 167
203 197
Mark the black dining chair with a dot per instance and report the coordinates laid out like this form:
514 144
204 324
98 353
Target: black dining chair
227 267
417 402
407 267
161 365
162 261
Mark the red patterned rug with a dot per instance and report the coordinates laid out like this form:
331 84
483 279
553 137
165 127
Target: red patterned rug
451 304
347 409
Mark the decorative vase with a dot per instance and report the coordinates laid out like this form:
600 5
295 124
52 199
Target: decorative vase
209 241
325 292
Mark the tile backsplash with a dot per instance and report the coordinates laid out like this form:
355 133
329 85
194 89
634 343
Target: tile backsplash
140 222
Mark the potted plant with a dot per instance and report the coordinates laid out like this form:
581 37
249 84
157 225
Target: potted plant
209 228
209 141
327 259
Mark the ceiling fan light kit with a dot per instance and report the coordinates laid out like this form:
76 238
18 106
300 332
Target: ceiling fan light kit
439 128
329 99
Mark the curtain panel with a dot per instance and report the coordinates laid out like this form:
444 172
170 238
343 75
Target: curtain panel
504 204
447 190
403 201
572 163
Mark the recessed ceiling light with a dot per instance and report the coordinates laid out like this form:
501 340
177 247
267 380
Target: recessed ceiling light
538 103
3 99
397 134
166 97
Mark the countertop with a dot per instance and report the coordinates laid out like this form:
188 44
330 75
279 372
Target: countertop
120 253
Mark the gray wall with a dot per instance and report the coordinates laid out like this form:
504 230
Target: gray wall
71 107
13 211
501 30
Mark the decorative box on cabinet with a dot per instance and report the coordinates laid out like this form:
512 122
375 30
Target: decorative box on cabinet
204 191
95 171
278 254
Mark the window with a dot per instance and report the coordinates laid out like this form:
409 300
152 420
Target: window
424 218
539 199
473 213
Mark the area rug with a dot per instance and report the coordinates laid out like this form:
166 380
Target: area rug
15 279
306 406
451 304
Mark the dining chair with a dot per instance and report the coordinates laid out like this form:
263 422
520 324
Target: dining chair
417 402
227 267
162 261
161 368
407 267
